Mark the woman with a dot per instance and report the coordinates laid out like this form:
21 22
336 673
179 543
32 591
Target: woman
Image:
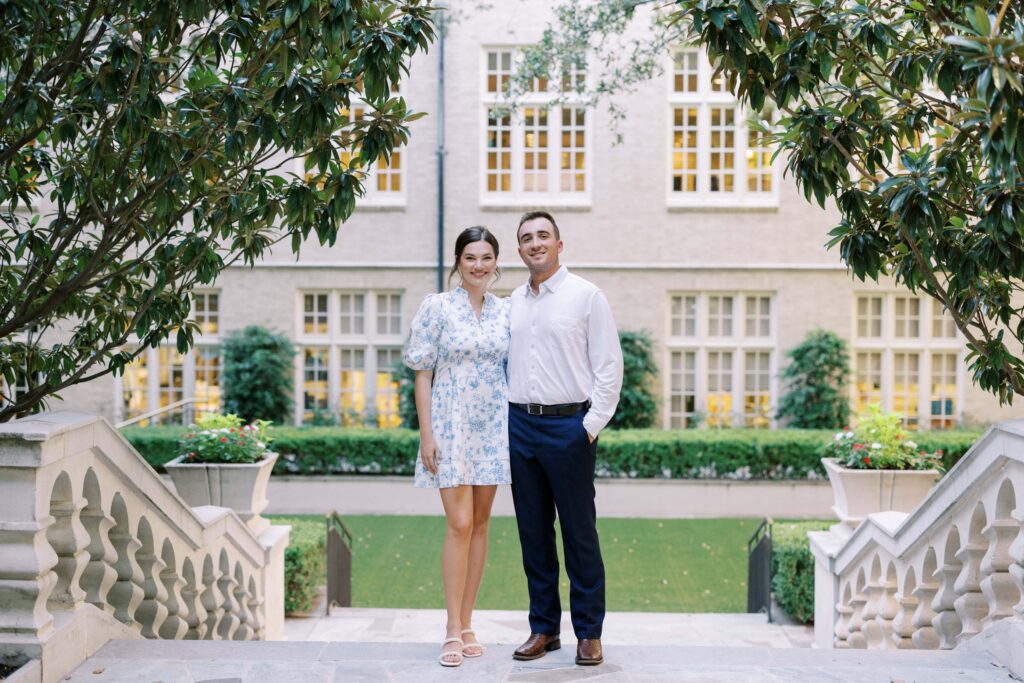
459 347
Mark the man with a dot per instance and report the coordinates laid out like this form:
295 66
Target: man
565 373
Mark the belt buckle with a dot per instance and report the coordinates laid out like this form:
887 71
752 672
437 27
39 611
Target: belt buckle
531 406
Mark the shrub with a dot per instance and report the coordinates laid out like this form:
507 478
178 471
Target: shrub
406 377
305 565
646 453
793 567
637 406
816 377
881 443
258 375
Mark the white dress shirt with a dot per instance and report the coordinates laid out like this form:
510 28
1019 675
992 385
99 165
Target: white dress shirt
565 348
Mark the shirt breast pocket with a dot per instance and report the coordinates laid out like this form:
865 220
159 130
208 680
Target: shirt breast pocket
568 332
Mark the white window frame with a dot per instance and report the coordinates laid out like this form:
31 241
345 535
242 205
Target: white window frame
704 100
334 341
888 345
701 343
518 196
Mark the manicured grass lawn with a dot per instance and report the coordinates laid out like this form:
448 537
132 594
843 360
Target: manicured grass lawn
651 565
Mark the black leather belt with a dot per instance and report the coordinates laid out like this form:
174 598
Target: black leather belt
563 409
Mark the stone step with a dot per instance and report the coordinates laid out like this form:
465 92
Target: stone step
327 662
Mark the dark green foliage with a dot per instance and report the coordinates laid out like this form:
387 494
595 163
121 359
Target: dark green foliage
258 375
815 396
793 568
637 407
146 146
305 562
407 396
637 453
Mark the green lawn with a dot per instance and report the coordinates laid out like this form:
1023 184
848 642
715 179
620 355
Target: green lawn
651 565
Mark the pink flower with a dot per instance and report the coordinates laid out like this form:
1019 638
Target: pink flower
223 439
867 460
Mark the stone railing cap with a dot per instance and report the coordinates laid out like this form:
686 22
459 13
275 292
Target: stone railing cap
46 426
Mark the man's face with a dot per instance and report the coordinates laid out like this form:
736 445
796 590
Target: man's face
538 246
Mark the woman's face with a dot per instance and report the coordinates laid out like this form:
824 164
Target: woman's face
477 264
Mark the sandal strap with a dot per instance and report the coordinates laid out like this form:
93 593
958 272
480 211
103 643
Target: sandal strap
453 640
467 630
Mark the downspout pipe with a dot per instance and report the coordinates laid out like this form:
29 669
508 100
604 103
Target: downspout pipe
443 24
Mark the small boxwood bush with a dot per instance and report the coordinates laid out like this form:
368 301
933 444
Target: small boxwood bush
627 453
305 568
793 567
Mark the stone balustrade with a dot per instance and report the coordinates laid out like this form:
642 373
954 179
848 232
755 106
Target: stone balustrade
936 576
95 545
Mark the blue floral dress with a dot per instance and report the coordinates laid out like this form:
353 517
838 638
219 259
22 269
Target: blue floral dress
469 399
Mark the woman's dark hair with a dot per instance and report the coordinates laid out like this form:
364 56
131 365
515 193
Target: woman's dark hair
477 233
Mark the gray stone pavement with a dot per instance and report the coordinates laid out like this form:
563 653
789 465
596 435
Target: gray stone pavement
319 662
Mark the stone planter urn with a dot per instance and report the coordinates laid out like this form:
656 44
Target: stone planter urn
239 486
858 493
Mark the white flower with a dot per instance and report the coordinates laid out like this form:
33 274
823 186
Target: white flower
838 436
876 445
849 435
911 444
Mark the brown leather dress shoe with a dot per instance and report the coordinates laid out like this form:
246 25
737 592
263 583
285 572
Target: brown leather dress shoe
588 652
536 646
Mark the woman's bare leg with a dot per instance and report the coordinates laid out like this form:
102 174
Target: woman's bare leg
483 500
458 510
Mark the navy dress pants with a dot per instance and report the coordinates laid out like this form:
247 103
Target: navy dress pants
553 470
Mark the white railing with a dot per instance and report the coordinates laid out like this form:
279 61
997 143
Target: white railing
938 575
93 541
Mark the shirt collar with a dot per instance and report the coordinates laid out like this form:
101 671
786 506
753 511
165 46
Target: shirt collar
552 283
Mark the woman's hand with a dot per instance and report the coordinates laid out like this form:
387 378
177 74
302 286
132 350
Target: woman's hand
430 454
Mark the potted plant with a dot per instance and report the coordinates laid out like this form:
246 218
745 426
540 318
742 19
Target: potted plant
226 463
877 467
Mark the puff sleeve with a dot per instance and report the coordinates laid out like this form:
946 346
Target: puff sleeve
422 350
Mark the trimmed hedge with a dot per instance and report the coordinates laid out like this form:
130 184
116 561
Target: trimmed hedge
633 453
793 567
305 562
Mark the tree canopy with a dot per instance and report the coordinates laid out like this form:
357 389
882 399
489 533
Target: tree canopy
908 115
146 145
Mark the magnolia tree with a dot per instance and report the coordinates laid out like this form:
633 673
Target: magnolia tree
907 115
145 146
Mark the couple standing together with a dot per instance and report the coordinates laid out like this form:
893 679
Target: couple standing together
516 391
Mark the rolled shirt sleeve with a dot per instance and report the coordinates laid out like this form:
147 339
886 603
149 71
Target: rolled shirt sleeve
424 338
605 362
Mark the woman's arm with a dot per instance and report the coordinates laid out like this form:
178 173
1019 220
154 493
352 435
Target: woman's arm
429 452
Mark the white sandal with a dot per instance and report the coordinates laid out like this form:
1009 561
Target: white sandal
477 645
451 653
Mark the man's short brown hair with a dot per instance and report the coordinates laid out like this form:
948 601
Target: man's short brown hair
530 215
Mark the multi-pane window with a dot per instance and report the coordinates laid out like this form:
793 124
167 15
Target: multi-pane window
907 358
207 381
172 375
355 340
314 313
384 183
315 382
538 151
718 156
207 311
721 355
135 387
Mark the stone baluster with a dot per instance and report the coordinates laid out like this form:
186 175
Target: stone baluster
245 631
70 541
946 622
256 610
152 610
1001 595
176 624
842 628
1016 552
925 637
856 639
126 594
227 584
873 627
903 622
99 574
886 610
212 601
194 612
970 605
